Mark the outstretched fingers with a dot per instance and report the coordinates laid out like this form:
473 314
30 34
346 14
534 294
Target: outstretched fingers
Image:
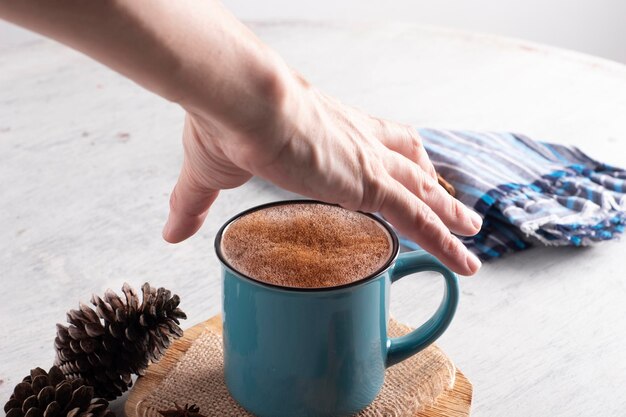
416 220
455 215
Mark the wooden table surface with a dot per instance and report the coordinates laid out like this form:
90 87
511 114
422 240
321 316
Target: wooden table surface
87 161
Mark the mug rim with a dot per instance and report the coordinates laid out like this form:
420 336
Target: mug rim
392 258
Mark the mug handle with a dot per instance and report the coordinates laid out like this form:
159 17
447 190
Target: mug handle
401 348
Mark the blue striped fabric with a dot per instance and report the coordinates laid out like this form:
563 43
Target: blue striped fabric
528 192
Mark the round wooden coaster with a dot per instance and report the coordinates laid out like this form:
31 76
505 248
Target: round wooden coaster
452 403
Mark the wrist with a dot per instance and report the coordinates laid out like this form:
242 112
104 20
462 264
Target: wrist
248 99
224 72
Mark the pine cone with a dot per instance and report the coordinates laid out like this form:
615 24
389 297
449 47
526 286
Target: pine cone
186 411
49 394
104 347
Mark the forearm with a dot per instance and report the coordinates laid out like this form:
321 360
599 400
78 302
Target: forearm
193 52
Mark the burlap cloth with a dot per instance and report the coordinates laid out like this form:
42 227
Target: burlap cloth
198 378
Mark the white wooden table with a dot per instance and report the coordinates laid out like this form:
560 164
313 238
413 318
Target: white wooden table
87 160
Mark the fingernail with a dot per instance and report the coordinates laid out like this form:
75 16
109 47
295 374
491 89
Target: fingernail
473 263
477 221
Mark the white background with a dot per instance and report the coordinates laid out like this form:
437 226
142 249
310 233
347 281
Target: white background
596 27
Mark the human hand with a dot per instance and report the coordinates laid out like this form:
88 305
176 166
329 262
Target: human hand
248 114
311 144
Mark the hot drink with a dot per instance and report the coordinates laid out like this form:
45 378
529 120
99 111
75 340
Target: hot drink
290 350
306 245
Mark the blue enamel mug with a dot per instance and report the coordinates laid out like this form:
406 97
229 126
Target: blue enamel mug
297 352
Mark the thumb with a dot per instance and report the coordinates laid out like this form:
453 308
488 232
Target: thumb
189 205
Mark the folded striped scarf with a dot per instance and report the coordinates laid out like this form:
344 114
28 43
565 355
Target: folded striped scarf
528 192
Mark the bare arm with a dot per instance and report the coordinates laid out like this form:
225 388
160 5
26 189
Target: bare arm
249 114
181 50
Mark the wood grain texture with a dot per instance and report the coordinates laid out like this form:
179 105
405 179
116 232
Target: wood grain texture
453 403
88 159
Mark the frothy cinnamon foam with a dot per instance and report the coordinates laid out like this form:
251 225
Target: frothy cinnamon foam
306 245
